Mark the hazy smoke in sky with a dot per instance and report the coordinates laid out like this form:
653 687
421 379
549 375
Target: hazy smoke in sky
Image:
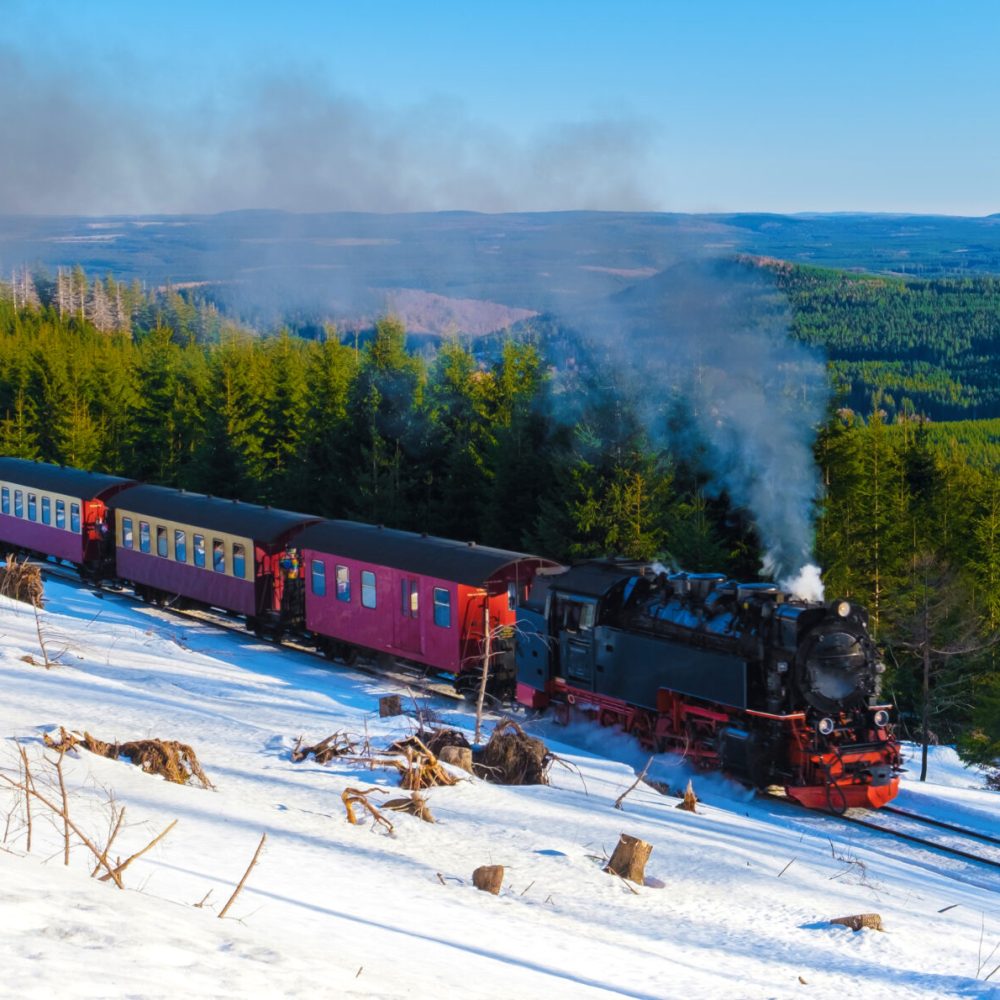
715 335
289 144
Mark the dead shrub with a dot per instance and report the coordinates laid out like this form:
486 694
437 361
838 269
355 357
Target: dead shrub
420 768
176 762
22 581
512 757
415 805
335 745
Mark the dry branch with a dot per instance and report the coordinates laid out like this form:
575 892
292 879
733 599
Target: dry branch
246 875
639 777
119 868
335 745
415 805
355 796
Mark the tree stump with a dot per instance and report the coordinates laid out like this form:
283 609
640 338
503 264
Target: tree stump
873 921
457 756
489 878
390 704
629 859
690 800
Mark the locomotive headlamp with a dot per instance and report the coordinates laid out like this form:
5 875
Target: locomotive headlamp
826 726
844 609
881 718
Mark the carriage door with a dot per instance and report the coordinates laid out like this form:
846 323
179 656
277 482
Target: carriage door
407 617
575 622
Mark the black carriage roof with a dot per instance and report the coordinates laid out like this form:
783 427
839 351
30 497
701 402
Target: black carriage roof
247 520
58 478
461 562
594 579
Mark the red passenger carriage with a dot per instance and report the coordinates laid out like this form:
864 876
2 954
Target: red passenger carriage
51 510
181 548
420 598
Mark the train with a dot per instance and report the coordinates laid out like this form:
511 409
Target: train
741 676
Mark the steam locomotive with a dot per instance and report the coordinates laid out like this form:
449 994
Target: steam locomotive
772 689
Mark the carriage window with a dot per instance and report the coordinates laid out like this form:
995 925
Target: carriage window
143 536
318 578
161 540
46 510
32 507
343 583
127 539
199 550
511 596
442 607
367 589
5 500
18 503
180 545
74 519
239 561
218 555
60 513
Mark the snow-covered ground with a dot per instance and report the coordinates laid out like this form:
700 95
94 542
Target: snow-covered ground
736 904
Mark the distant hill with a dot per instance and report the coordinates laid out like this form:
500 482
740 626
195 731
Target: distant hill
342 265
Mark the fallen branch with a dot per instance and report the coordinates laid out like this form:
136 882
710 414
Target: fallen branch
639 777
138 854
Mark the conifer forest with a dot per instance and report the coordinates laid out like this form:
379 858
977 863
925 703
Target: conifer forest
472 439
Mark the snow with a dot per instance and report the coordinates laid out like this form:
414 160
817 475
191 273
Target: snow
736 903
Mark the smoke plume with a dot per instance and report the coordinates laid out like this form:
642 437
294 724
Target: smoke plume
291 143
715 334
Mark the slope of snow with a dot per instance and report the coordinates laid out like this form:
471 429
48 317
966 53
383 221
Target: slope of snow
736 904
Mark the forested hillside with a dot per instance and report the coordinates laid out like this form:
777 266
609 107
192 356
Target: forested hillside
463 447
929 347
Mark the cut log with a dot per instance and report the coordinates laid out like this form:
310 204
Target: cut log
457 757
390 704
629 859
873 921
489 878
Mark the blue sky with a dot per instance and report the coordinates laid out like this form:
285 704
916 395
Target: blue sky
709 106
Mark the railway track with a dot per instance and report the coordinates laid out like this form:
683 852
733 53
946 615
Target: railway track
412 679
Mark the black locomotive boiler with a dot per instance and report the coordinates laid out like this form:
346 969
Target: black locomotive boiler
772 689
